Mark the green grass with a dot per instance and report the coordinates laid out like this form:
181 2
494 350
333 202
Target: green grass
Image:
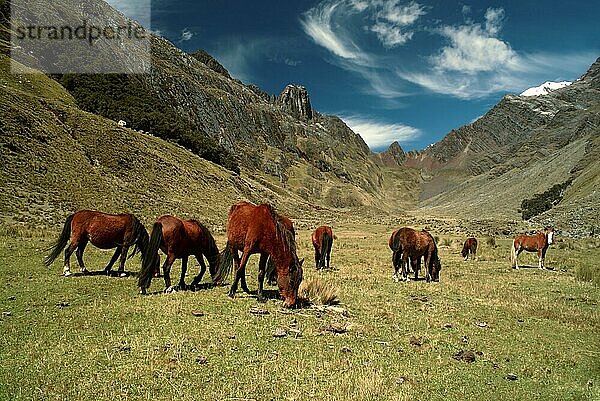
93 337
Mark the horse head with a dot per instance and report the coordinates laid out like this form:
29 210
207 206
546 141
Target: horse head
435 268
290 294
549 235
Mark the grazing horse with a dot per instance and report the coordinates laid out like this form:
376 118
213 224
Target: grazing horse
396 247
178 239
413 245
322 240
470 247
105 231
260 229
532 243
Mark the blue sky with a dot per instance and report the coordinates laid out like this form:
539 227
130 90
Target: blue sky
393 70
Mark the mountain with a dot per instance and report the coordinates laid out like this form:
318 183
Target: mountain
545 88
522 147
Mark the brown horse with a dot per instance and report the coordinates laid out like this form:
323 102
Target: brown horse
178 239
532 243
413 245
271 273
395 246
260 229
470 247
322 240
105 231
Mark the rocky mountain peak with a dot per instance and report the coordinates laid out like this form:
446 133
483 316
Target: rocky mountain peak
210 62
294 100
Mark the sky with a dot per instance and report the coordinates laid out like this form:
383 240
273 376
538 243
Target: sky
406 71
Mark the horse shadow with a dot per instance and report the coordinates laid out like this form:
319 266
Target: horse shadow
113 273
549 268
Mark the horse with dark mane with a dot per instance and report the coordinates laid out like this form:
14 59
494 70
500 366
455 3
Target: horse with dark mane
105 231
260 229
407 245
470 247
532 243
322 240
178 239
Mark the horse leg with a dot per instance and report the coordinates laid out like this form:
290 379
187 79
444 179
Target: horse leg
517 253
417 267
68 252
181 286
236 268
198 278
167 271
242 270
262 268
395 265
328 255
540 259
122 261
317 258
428 262
404 270
79 254
112 261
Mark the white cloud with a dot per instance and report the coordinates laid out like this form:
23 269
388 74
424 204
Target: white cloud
379 134
186 34
473 60
318 24
391 36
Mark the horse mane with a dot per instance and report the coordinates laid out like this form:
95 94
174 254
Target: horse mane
212 244
281 230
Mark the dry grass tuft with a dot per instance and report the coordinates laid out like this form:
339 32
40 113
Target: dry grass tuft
491 241
319 293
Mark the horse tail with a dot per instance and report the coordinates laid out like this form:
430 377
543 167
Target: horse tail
513 254
325 245
150 257
60 244
225 265
140 236
395 245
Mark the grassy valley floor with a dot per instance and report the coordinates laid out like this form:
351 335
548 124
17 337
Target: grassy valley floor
533 334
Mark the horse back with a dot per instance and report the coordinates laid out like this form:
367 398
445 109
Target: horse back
104 230
530 243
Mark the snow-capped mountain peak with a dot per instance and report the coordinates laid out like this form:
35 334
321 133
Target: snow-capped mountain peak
545 88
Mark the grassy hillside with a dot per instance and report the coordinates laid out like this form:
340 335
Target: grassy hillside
93 337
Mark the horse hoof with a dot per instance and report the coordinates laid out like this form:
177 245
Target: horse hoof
142 291
262 300
170 290
84 271
67 273
123 274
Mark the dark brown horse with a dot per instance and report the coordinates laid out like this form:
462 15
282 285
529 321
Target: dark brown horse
260 229
178 239
470 247
105 231
410 245
322 240
532 243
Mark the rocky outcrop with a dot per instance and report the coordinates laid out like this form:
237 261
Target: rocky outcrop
210 62
392 157
294 100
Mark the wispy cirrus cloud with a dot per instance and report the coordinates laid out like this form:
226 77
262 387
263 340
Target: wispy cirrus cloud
186 34
378 134
472 60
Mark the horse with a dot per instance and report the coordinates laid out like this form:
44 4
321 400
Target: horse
260 229
532 243
105 231
178 239
396 247
271 272
322 240
413 244
470 247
